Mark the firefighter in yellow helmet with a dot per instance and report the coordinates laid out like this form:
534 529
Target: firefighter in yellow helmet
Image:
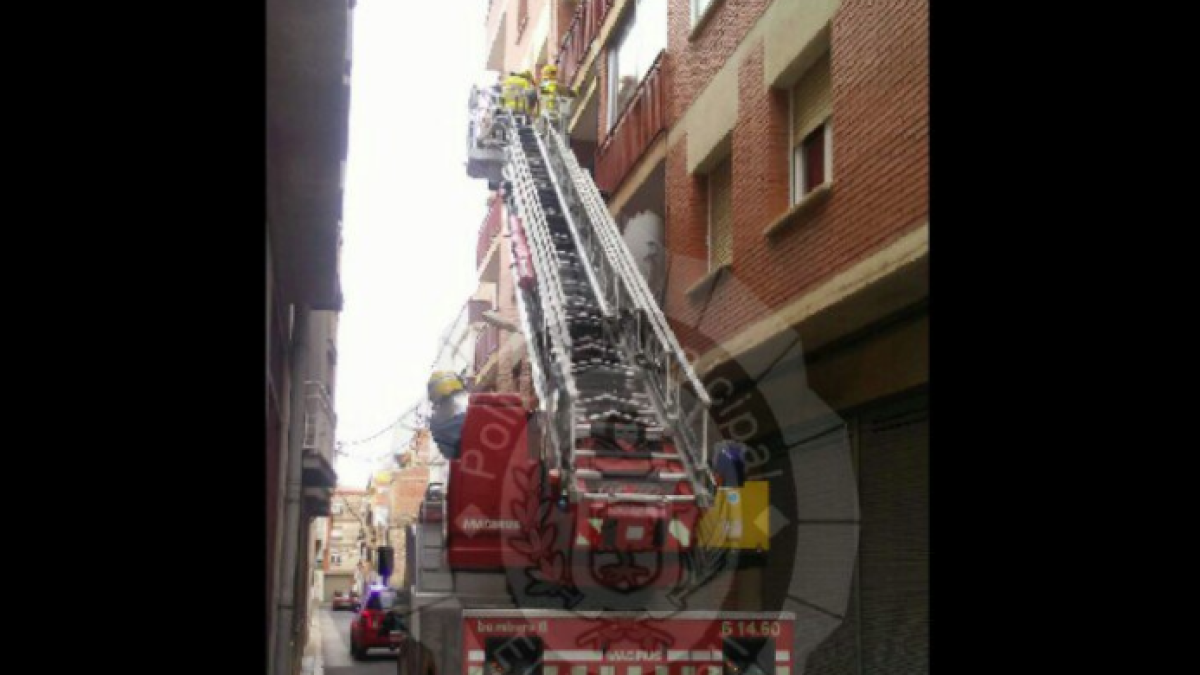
550 90
443 383
516 92
448 394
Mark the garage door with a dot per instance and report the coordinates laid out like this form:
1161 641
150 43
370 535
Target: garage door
893 451
886 630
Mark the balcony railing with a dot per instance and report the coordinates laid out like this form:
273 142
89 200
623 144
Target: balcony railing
319 420
488 231
585 26
486 345
636 128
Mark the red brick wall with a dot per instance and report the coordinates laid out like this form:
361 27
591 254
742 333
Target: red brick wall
408 489
879 68
696 62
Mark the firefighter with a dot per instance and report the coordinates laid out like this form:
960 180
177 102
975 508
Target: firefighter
516 92
550 90
730 464
448 394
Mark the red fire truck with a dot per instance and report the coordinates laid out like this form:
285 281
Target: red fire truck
565 540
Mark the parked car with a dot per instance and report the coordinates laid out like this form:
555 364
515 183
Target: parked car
379 623
345 600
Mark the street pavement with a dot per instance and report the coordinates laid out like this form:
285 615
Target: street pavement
335 649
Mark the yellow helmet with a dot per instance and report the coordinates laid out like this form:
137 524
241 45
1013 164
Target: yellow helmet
444 383
549 70
527 75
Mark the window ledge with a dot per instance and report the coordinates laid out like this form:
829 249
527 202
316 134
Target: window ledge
703 20
801 211
707 282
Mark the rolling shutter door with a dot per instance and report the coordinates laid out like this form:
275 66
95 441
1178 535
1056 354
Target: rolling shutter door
893 461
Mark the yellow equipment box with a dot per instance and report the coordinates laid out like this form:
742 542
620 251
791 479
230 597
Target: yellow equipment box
739 519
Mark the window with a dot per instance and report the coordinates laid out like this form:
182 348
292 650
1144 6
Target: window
335 508
811 130
811 161
720 215
641 37
698 8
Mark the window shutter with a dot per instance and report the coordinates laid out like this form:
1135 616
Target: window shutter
812 100
720 185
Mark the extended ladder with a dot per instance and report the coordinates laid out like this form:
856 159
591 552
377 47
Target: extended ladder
625 415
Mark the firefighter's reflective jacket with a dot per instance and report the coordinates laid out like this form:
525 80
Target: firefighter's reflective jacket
515 93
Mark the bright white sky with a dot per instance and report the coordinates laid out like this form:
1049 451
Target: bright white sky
411 214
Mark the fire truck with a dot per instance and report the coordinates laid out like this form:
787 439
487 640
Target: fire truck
583 533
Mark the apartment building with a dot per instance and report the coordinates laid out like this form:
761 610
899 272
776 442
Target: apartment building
307 101
408 486
344 537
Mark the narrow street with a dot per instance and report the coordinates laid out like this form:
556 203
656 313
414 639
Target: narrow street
597 337
335 648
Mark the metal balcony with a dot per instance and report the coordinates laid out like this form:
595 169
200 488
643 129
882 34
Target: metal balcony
319 425
577 42
638 125
487 344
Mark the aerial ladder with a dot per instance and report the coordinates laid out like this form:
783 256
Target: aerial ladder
607 368
573 518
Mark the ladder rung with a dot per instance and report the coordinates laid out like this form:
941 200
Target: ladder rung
636 497
639 476
574 241
618 454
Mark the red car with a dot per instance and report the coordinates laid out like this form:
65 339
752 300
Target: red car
345 601
378 623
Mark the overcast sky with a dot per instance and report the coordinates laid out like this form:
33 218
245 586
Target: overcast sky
411 214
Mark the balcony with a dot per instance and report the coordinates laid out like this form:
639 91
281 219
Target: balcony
585 26
487 232
636 128
487 344
319 478
307 127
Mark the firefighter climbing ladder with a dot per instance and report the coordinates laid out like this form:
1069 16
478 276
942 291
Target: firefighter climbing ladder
613 381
